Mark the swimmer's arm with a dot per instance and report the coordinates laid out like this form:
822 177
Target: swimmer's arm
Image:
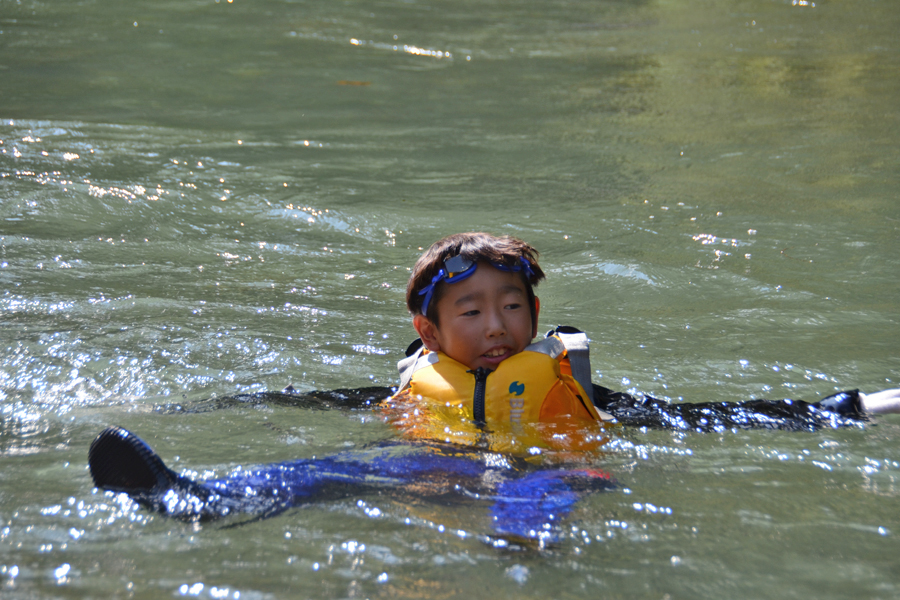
881 403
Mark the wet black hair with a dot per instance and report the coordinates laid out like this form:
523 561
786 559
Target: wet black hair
476 247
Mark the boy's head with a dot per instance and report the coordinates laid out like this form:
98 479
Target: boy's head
471 296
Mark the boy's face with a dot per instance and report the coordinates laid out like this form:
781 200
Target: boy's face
484 319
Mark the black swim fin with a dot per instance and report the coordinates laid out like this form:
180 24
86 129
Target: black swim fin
121 462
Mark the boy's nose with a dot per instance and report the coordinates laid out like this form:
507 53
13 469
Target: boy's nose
496 325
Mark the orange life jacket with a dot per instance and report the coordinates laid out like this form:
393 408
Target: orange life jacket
531 395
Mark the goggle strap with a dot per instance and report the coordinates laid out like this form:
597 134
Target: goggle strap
459 268
525 266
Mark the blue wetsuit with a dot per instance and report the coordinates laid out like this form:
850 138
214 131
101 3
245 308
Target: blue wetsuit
525 502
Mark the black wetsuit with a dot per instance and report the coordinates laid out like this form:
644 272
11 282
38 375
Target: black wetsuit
838 410
842 409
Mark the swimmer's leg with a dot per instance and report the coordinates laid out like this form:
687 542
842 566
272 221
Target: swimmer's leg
525 507
532 507
122 462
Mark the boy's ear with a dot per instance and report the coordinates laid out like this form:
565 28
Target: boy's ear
534 317
427 332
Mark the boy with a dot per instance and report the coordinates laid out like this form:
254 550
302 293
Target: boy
473 305
476 312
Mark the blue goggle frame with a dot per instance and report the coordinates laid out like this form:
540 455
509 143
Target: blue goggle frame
459 268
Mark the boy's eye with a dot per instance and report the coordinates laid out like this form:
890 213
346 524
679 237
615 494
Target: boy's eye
470 313
513 306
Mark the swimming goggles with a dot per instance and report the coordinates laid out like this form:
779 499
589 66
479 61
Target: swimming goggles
459 268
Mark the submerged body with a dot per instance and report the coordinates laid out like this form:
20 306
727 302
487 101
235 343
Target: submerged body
523 501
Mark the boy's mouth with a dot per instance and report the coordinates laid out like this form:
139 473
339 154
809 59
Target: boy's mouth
495 355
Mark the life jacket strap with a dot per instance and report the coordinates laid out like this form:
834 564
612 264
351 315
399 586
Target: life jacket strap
551 345
415 360
577 348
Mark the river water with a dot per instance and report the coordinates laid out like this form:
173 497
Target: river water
210 197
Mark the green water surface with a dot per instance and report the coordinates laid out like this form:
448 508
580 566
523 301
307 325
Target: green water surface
206 197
